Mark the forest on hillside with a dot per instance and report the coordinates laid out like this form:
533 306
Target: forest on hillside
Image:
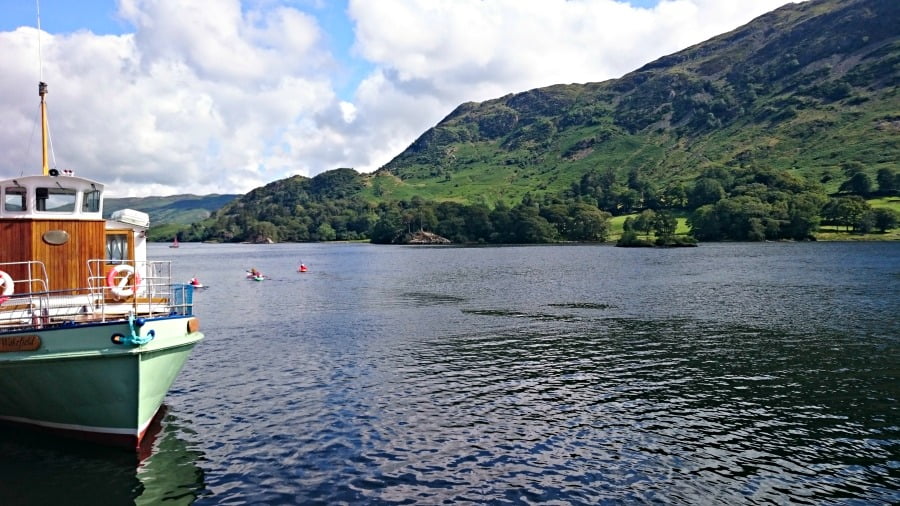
744 205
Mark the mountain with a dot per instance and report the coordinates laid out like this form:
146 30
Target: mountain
793 103
175 209
803 88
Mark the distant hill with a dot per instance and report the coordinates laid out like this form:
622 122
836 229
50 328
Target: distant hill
175 209
804 88
800 99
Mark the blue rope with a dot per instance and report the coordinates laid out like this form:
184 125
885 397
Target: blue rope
135 339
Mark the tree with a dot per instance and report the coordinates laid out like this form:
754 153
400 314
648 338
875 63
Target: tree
885 219
741 217
558 215
425 218
705 224
630 238
865 223
530 228
852 167
263 231
645 221
664 224
674 196
387 229
588 223
502 223
478 222
451 222
608 178
887 180
325 232
859 183
628 199
846 211
803 216
705 191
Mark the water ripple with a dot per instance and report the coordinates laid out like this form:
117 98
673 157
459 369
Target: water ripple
727 374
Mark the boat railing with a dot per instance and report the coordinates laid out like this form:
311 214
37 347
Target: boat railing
32 305
148 291
28 297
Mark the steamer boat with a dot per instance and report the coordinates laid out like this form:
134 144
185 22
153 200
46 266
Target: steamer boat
92 332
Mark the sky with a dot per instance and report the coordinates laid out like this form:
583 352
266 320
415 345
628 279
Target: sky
164 97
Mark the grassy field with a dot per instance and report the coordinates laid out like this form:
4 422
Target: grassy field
825 233
888 202
830 233
617 224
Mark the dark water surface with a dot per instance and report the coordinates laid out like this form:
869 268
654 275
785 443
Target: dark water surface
724 374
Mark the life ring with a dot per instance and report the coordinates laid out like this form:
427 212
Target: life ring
8 284
120 287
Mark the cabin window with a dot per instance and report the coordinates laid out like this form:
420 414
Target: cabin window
116 248
91 202
57 200
14 199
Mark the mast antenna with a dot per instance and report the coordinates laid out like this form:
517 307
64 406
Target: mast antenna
42 90
37 4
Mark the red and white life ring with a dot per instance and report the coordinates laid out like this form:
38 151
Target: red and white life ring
119 287
6 281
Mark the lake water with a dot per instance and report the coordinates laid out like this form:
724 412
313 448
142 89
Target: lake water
725 374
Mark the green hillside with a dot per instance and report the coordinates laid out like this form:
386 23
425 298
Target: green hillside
764 124
169 215
804 88
175 209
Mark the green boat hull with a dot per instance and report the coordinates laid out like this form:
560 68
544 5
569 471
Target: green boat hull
79 382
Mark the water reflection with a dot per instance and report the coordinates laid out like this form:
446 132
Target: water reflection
168 469
41 469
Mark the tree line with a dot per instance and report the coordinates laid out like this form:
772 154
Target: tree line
736 204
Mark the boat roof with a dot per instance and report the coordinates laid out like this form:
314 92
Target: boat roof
39 179
51 197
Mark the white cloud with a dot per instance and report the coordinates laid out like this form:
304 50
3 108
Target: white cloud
222 97
348 111
471 48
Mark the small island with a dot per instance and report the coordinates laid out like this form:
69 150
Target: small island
423 237
658 231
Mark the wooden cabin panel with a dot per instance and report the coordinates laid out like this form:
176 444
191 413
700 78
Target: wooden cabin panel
17 246
67 264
